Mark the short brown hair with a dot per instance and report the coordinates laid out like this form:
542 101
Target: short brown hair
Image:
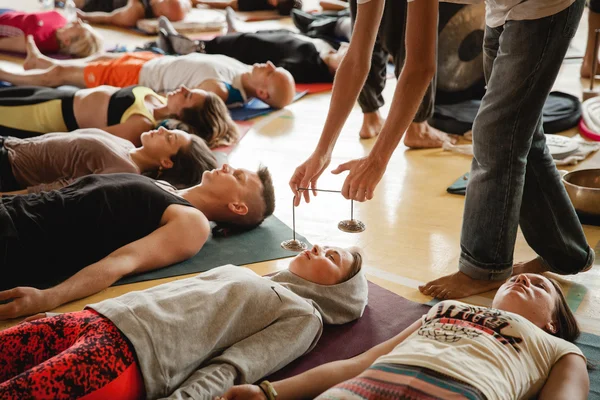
264 207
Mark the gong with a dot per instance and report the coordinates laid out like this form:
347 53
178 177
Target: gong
460 52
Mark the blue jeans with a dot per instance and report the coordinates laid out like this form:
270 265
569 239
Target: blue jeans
513 177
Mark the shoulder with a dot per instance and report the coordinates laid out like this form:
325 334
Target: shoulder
217 87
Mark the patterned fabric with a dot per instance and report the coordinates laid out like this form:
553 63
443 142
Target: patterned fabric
401 382
10 31
63 357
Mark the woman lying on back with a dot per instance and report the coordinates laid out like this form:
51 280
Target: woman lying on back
520 348
54 160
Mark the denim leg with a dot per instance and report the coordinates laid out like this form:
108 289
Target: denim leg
548 219
522 60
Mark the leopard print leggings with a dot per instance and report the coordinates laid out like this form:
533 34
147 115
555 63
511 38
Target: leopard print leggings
67 356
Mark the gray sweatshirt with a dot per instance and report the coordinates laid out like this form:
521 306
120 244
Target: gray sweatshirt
194 338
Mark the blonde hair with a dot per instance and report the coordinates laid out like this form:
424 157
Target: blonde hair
85 44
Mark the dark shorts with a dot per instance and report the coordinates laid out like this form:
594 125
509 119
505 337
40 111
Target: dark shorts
594 5
103 5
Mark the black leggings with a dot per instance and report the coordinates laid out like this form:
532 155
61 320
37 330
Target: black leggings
27 111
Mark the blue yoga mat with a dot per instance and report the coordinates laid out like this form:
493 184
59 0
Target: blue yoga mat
255 108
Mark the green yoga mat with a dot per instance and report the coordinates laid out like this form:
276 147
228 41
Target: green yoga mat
260 244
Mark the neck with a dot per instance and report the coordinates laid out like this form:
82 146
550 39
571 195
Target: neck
247 85
161 113
201 200
143 162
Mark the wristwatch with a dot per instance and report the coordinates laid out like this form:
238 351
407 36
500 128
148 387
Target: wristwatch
268 390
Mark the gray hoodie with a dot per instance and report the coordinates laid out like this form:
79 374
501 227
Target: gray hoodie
194 338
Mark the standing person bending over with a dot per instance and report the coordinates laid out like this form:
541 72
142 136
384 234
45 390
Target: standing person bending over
391 41
55 160
234 82
126 13
514 179
104 227
521 348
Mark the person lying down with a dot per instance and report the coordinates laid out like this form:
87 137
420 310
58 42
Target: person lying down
186 339
520 348
72 242
56 159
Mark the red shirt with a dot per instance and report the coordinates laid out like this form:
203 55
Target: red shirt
41 25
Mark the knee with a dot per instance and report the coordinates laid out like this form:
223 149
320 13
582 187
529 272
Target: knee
54 76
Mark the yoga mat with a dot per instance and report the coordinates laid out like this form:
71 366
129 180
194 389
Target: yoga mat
197 20
386 315
255 108
590 345
244 127
260 244
314 87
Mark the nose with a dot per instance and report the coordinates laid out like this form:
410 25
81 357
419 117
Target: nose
316 250
271 66
226 168
184 89
524 279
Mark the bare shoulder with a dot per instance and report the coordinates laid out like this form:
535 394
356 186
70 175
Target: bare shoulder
215 86
187 217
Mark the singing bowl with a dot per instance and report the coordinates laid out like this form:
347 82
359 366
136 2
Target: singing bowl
583 187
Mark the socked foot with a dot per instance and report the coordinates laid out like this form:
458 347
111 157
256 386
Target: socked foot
456 286
586 70
421 135
35 59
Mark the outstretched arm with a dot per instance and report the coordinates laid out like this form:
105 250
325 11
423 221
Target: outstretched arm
418 70
252 358
349 79
163 247
568 380
317 380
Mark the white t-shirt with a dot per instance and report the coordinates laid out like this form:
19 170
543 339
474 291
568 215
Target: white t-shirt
500 11
500 353
163 74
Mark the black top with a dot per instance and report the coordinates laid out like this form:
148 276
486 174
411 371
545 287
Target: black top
282 47
62 231
119 102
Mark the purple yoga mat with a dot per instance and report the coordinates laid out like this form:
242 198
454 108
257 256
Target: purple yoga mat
386 315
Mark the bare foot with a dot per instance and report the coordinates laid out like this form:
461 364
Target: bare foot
371 126
586 69
457 285
534 266
230 19
421 135
35 59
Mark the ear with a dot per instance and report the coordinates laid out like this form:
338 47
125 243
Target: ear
238 208
551 327
262 94
166 163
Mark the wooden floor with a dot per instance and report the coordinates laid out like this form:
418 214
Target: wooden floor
413 225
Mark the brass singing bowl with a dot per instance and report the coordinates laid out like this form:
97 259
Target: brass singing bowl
583 187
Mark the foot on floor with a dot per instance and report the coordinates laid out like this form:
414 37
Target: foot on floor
421 135
456 286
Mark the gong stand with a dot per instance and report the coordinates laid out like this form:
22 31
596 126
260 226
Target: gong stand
348 225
